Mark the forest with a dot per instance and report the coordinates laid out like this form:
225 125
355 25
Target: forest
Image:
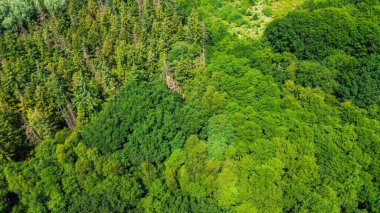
190 106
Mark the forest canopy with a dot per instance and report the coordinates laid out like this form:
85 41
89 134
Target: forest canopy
189 106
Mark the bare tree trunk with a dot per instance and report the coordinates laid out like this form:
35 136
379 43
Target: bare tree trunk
30 134
68 115
169 79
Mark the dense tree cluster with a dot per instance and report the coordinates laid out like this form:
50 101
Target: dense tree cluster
136 124
162 106
16 14
59 73
341 38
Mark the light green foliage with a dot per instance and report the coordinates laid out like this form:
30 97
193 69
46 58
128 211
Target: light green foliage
227 193
39 123
176 159
220 136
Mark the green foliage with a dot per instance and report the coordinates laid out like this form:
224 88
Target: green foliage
364 88
52 6
143 122
314 75
15 13
56 76
332 29
220 136
155 106
4 203
179 51
11 140
267 11
340 35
